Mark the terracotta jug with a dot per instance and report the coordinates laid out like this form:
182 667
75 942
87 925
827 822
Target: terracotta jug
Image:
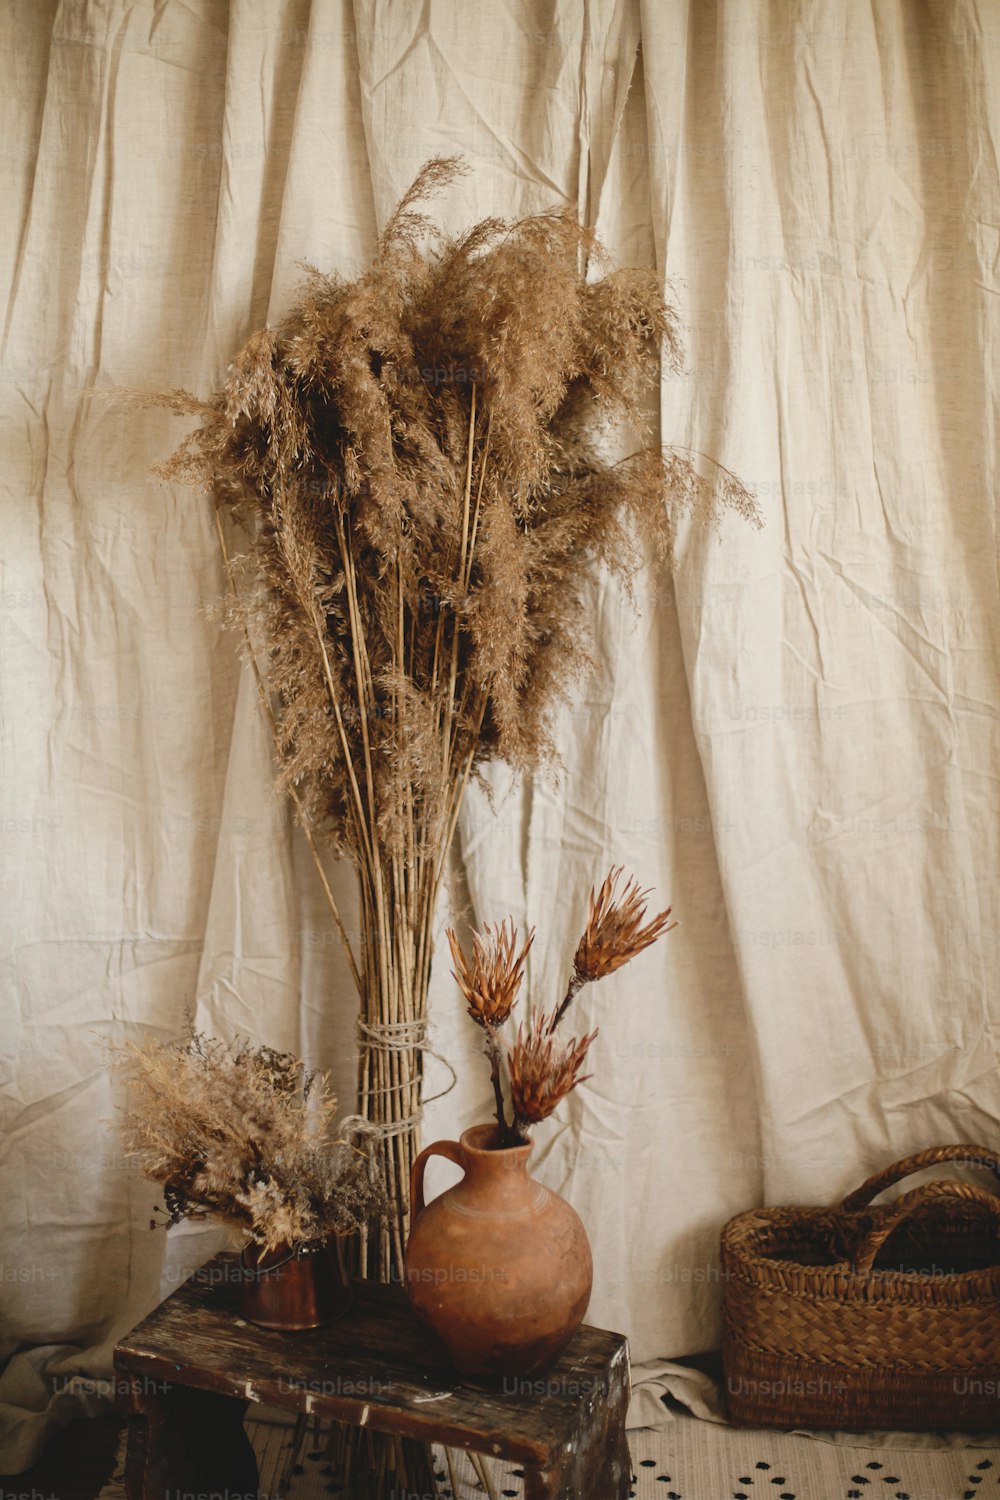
499 1266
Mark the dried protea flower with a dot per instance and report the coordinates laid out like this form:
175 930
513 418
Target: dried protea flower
614 933
543 1071
491 980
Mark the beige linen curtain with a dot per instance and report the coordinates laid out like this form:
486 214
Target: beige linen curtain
794 740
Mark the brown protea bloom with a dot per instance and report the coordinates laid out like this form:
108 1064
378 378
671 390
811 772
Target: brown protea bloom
614 934
543 1071
491 980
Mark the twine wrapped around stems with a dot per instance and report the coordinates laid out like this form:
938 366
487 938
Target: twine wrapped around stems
399 1036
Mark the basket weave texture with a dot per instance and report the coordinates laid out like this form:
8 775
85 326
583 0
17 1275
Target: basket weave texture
864 1318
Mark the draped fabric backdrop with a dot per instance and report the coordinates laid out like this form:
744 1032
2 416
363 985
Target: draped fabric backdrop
795 741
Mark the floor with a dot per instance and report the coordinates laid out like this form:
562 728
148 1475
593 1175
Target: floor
78 1463
686 1460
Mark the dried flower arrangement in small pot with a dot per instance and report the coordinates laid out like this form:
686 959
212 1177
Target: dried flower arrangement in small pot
499 1266
243 1134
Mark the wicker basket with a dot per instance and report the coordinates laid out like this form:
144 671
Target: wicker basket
865 1318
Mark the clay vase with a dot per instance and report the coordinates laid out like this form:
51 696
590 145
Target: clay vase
498 1266
294 1288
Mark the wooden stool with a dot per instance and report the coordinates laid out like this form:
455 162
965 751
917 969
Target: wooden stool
187 1373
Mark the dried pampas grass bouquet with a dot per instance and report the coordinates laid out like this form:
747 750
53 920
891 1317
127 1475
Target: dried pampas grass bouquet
417 459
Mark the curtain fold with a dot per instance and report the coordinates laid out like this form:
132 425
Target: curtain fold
794 739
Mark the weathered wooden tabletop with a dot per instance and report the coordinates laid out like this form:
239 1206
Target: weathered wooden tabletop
378 1367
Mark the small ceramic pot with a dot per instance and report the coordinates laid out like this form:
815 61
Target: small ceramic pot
294 1287
499 1266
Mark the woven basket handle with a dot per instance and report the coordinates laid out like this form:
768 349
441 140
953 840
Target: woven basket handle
903 1207
980 1156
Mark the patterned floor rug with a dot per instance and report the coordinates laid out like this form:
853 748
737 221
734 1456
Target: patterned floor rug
687 1460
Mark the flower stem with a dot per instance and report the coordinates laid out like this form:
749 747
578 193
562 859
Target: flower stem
493 1049
576 984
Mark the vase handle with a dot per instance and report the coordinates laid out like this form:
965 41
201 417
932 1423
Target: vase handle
452 1150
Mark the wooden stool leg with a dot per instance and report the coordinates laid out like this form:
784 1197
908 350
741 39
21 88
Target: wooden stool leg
598 1464
184 1441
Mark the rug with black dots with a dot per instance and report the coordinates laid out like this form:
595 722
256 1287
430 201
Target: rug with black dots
692 1460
